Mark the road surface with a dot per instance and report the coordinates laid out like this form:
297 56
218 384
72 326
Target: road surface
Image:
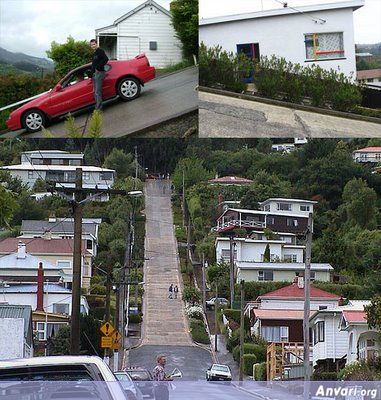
165 326
228 117
162 100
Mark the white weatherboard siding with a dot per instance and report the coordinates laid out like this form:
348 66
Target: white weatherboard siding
278 275
293 304
11 338
283 36
149 25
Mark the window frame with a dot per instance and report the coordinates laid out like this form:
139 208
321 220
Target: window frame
317 34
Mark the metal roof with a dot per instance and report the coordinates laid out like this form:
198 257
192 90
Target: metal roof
247 265
65 227
28 262
32 288
19 311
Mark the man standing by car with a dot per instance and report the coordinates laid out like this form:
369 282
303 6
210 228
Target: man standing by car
98 72
161 388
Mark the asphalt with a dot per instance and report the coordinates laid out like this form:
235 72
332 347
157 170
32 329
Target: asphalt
228 117
162 100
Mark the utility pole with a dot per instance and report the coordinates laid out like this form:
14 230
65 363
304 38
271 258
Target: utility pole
241 331
231 270
77 255
216 303
307 285
136 166
108 294
203 283
183 199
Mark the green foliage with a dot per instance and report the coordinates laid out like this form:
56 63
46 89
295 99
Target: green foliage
193 170
345 290
367 112
71 128
250 348
185 21
39 186
221 68
198 331
3 117
260 372
98 289
8 206
59 344
324 376
191 294
232 341
95 129
120 161
69 55
134 318
248 361
219 274
360 371
373 313
255 289
266 255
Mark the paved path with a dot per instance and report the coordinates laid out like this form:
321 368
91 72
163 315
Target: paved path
162 99
223 116
164 319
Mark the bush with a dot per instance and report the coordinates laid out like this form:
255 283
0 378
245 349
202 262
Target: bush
260 373
232 341
191 295
195 312
368 112
198 331
359 371
134 318
248 361
250 348
236 353
347 290
324 376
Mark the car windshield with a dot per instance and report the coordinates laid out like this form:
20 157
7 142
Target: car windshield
139 375
123 377
220 368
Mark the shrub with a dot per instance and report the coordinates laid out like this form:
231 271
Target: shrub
250 348
236 353
191 295
368 112
346 97
358 371
324 376
260 373
248 361
232 341
198 331
134 318
195 312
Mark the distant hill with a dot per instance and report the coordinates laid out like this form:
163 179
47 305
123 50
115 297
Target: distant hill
20 62
374 49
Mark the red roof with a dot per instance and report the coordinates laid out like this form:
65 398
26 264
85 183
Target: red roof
369 150
231 180
280 314
294 292
40 245
369 74
355 316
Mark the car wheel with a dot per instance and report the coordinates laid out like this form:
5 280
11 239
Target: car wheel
33 120
129 89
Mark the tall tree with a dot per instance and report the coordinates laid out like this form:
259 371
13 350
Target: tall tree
8 205
185 22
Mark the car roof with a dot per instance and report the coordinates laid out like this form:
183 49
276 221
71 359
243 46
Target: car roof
51 360
220 365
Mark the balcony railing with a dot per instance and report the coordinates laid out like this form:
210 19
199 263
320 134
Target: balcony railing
236 223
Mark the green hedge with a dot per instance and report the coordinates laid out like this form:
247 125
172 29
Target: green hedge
250 348
134 318
347 290
198 331
368 112
260 372
248 361
232 341
324 376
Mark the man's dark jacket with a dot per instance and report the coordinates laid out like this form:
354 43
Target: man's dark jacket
99 60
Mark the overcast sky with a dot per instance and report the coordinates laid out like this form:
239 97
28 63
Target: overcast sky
29 26
366 19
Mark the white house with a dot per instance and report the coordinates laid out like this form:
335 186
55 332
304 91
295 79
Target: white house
319 34
145 29
16 333
363 343
51 157
367 155
285 206
330 344
370 77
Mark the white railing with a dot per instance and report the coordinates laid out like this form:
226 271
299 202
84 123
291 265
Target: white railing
240 224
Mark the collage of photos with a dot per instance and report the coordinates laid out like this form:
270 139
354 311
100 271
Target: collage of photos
190 199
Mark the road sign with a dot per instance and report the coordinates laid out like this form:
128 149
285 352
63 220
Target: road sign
106 342
116 340
107 329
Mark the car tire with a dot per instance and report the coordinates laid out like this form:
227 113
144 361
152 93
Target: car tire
33 120
129 89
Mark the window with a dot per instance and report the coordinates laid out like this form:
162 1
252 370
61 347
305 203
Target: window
290 258
37 161
265 275
105 176
57 161
284 206
225 254
251 50
89 244
153 45
40 331
378 156
30 174
324 46
270 221
267 207
86 176
64 264
74 162
304 208
319 332
61 308
275 333
70 176
369 80
292 222
312 276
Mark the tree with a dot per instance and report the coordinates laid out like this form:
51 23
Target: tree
8 206
120 161
69 55
185 22
266 255
360 202
373 313
194 172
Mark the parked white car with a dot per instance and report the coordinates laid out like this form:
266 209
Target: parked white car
218 372
222 302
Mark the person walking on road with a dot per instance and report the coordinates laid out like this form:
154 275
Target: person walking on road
159 376
170 291
98 72
176 291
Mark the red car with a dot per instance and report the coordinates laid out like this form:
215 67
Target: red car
75 90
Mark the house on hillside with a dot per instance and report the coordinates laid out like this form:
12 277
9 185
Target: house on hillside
230 180
367 155
145 29
370 77
320 34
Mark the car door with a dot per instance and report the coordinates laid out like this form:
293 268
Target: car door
108 87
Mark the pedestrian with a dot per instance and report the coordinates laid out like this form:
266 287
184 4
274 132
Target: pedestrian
170 291
161 387
176 291
98 72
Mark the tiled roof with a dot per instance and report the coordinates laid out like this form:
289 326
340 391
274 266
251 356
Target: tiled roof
368 150
355 316
369 74
231 180
294 292
18 311
279 314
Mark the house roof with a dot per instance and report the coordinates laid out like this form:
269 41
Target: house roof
353 4
16 311
279 314
287 200
373 149
260 212
231 180
41 245
30 262
138 8
32 288
369 74
63 168
247 265
353 305
294 292
355 317
56 226
50 153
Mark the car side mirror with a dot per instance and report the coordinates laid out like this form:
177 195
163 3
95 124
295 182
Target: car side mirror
58 87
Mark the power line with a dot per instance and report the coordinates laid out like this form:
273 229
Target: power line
314 19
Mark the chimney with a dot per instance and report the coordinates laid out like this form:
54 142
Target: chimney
40 288
300 282
21 250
